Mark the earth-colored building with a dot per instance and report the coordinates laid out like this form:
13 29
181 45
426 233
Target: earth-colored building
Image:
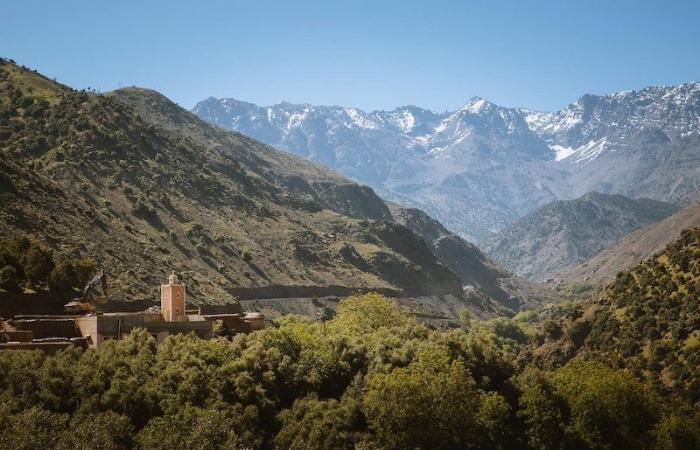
55 332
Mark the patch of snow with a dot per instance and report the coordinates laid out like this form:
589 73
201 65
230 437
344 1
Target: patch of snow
296 119
404 120
561 152
358 120
443 125
436 150
591 150
476 106
585 153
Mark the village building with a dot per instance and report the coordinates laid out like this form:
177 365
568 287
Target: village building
55 332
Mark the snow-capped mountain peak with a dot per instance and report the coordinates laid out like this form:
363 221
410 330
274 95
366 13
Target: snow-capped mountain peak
477 105
481 166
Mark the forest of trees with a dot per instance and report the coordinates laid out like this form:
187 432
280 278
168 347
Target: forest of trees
370 378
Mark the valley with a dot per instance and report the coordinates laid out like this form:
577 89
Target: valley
562 234
218 231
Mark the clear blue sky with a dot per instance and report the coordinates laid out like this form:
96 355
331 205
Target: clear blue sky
369 54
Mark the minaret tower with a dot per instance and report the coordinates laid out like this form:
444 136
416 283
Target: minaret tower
172 299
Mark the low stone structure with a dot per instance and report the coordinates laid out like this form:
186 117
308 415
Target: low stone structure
239 322
55 332
103 327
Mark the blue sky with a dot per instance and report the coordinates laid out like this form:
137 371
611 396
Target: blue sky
368 54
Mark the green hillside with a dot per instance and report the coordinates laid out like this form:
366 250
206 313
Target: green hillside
647 320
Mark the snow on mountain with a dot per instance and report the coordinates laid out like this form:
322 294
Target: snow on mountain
482 166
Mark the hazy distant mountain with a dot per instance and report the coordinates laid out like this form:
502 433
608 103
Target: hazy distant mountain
562 234
633 248
482 167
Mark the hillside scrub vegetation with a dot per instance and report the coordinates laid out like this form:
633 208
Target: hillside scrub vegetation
647 320
371 377
29 264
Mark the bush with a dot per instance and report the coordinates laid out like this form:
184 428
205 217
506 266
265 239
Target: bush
551 329
8 279
578 331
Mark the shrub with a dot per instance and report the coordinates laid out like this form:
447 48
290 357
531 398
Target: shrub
465 318
551 329
578 331
8 279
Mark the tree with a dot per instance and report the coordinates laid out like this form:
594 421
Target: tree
104 431
37 263
31 429
545 413
609 407
465 318
678 432
551 329
12 253
85 269
63 277
318 424
431 403
192 428
360 314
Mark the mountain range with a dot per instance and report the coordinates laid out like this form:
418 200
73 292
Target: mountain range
146 187
564 233
482 167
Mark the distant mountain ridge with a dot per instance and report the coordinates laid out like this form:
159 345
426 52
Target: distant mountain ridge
564 233
633 248
481 167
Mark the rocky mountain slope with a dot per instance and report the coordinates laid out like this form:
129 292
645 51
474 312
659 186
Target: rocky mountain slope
482 167
146 187
562 234
633 248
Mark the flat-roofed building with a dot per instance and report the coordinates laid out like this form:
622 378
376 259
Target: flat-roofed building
103 327
54 332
